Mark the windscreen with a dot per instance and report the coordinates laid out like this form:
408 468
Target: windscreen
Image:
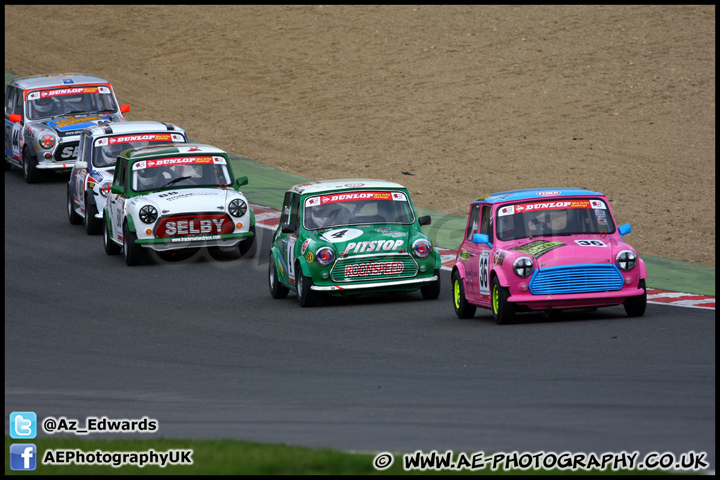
358 207
107 149
72 100
180 172
552 218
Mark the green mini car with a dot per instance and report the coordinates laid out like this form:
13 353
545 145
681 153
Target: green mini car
344 237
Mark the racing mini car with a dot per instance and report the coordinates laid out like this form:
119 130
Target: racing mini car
92 174
171 197
543 250
345 237
45 114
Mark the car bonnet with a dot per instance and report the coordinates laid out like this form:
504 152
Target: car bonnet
554 251
353 240
70 126
190 200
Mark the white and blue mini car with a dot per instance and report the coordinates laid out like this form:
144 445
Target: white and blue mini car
92 175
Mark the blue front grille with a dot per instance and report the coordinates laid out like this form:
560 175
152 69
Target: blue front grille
576 279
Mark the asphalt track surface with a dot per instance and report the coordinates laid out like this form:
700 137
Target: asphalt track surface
201 346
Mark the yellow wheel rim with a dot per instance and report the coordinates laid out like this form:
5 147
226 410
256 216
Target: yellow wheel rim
456 289
495 298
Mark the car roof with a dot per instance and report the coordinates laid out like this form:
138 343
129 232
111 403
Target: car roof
132 126
56 80
342 184
163 150
535 194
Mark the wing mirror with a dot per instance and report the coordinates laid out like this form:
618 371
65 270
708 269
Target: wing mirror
624 229
481 238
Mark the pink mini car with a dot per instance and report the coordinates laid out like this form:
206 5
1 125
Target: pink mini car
543 249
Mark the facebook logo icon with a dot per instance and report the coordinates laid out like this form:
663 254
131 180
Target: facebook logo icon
23 425
23 456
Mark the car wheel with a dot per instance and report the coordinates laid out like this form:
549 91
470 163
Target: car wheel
8 165
92 224
462 308
431 291
132 251
74 218
111 248
503 312
306 296
30 171
635 306
248 247
276 289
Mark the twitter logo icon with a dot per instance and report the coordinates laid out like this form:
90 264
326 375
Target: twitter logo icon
23 425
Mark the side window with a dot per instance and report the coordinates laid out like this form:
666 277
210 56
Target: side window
85 148
287 203
9 100
295 211
486 222
120 174
474 222
19 102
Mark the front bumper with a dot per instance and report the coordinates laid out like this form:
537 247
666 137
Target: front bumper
53 165
575 300
210 240
375 285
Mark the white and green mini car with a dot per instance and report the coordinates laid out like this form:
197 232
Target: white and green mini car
172 197
344 237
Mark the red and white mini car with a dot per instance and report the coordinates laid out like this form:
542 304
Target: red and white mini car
45 114
542 250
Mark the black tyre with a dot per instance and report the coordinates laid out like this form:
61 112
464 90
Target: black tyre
30 170
503 312
635 306
93 225
111 248
431 291
132 251
74 218
248 247
306 296
462 308
276 289
8 165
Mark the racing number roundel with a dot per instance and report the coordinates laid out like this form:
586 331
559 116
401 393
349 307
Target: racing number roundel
484 273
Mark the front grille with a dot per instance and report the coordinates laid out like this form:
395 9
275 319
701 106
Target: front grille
576 279
193 224
373 267
66 152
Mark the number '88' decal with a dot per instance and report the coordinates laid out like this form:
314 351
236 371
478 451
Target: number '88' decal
484 273
590 243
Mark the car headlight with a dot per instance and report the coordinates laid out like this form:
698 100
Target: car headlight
237 208
325 255
626 260
105 189
523 266
421 248
47 140
148 214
